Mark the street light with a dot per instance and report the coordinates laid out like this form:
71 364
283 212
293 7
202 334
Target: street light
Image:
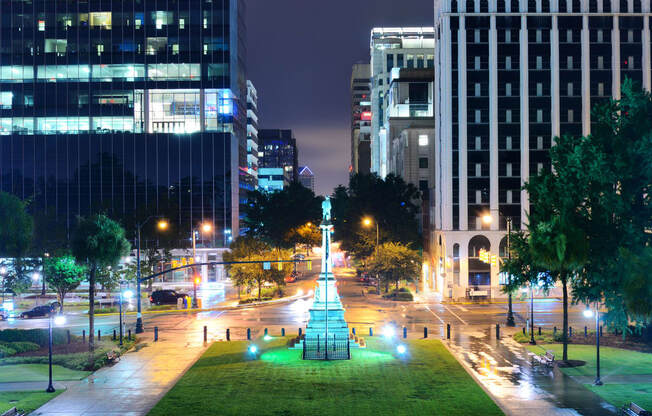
58 321
367 221
532 341
589 313
196 281
127 294
206 228
487 219
162 225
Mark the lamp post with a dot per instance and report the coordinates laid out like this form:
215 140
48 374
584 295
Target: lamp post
162 225
588 313
487 219
367 222
3 273
532 341
58 320
206 228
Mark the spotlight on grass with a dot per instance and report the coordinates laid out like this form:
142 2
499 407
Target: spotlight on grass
389 332
253 349
267 337
401 349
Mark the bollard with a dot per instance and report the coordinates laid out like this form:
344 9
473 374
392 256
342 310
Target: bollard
155 333
448 331
248 334
497 331
554 331
371 332
99 335
129 335
523 330
570 331
353 330
586 331
265 331
83 336
114 336
404 332
68 334
228 334
600 330
425 332
539 330
282 332
205 333
300 332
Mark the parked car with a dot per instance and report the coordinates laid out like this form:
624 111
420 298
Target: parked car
4 314
290 279
38 311
299 256
165 297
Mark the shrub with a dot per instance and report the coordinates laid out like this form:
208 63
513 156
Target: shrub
24 346
76 361
106 310
37 336
402 294
6 351
252 300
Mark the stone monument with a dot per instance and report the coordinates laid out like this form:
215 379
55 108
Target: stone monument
327 333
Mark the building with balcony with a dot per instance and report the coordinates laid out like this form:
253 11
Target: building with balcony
273 179
510 76
278 149
361 119
252 132
393 48
125 108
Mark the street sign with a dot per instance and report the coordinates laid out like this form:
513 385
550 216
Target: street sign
267 265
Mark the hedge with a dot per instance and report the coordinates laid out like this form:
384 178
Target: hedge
36 336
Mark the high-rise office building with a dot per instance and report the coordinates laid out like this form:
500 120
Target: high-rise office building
307 178
510 75
252 131
125 107
393 48
277 148
361 118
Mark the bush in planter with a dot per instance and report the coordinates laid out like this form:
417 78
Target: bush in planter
37 336
6 351
24 346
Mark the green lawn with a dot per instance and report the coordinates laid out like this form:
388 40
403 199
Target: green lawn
428 381
37 372
612 361
27 401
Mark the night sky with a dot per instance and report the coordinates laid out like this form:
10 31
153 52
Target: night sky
300 54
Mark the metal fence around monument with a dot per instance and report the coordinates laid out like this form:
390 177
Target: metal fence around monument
334 349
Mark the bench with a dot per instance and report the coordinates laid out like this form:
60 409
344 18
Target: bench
632 409
548 359
112 357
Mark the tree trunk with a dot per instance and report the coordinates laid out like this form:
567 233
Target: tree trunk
397 283
61 295
260 283
565 334
91 312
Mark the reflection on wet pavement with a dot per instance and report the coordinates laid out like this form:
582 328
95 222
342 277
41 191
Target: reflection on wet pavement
504 369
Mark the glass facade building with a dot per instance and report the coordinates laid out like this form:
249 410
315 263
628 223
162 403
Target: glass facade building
125 107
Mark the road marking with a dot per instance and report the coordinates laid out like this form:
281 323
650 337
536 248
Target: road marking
436 316
462 308
454 314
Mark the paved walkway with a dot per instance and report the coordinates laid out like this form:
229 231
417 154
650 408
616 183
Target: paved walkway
35 385
133 385
503 369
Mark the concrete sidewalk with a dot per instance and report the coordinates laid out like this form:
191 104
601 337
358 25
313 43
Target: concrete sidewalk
133 385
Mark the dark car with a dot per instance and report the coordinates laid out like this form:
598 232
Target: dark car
38 311
4 314
165 297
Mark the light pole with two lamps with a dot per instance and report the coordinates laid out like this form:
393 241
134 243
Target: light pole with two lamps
58 321
162 225
589 313
205 228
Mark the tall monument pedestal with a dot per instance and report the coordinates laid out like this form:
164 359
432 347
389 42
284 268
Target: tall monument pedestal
327 333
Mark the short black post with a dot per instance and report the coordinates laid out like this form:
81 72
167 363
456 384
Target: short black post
68 335
404 332
353 330
155 333
99 335
282 332
554 331
497 331
265 331
586 331
83 336
228 334
205 333
523 330
114 335
600 330
425 332
129 335
539 330
248 334
448 331
570 331
300 332
371 332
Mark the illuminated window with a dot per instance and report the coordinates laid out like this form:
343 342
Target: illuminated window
100 49
205 23
159 23
6 99
156 45
101 19
138 23
41 25
174 111
423 140
182 23
57 46
205 49
175 49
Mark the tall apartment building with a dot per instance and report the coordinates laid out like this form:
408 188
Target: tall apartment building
125 107
277 148
252 132
393 48
510 75
361 118
307 177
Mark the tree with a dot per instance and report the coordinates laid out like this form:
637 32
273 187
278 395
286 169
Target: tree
274 216
307 235
64 275
396 262
97 242
16 230
391 203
